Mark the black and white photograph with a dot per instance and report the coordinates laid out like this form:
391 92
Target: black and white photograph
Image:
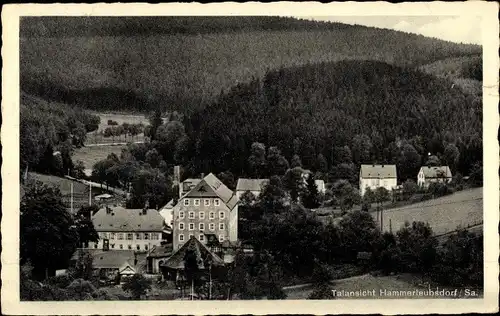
275 155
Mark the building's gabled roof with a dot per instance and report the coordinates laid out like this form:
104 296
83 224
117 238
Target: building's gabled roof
436 172
108 259
251 184
203 254
119 219
161 251
378 171
210 186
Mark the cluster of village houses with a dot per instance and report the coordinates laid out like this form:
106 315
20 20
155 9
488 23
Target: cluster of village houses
204 218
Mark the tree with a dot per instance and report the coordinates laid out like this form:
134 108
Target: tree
137 285
343 155
321 164
476 175
381 195
408 162
155 121
418 247
83 268
79 170
311 196
409 188
294 182
227 178
153 158
149 185
85 226
358 233
79 135
296 162
277 163
361 148
369 196
321 278
48 235
272 198
451 156
346 194
257 160
433 161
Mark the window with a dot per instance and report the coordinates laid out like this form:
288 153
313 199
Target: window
202 215
181 226
138 236
186 202
112 236
181 237
191 226
216 202
206 202
95 246
138 247
129 247
202 237
129 236
211 226
112 246
196 202
121 246
221 238
211 215
202 226
191 215
191 236
120 236
154 236
181 214
221 215
221 226
146 236
146 247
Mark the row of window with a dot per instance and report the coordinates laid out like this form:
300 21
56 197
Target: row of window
201 226
206 202
201 237
201 215
129 247
130 236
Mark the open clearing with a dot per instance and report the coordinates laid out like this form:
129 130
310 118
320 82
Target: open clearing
445 214
91 155
97 137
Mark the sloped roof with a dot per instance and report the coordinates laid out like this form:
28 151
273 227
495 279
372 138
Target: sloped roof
176 261
111 259
378 171
210 186
436 172
127 220
161 251
251 184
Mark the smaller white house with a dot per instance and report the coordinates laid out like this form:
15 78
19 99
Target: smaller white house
254 186
320 184
376 176
430 174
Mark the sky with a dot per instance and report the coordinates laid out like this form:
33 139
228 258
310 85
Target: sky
460 29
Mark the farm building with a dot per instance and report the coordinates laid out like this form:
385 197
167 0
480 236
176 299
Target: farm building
254 186
428 175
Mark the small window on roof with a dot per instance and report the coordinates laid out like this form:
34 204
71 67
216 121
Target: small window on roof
202 189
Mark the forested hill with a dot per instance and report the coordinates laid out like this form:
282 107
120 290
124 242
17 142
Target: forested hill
183 63
382 113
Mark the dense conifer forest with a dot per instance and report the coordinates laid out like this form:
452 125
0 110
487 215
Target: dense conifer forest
382 113
182 63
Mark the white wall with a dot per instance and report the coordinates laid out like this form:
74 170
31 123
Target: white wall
123 244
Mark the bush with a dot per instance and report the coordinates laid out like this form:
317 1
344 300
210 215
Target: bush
112 123
321 292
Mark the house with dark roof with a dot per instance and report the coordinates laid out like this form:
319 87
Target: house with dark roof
376 176
430 174
109 264
127 229
254 186
209 207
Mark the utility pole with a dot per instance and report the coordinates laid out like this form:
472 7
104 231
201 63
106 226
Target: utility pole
71 197
90 194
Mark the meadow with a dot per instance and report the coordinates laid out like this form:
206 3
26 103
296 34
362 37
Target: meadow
90 155
444 215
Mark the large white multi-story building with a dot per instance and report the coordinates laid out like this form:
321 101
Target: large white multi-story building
376 176
209 207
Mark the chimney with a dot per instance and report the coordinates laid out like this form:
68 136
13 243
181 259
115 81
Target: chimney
202 176
177 175
108 210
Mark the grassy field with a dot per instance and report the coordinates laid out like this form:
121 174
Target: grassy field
97 137
464 208
91 155
80 190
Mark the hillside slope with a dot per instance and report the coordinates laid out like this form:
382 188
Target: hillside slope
182 63
325 106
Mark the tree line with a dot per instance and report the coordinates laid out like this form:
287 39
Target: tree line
49 132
